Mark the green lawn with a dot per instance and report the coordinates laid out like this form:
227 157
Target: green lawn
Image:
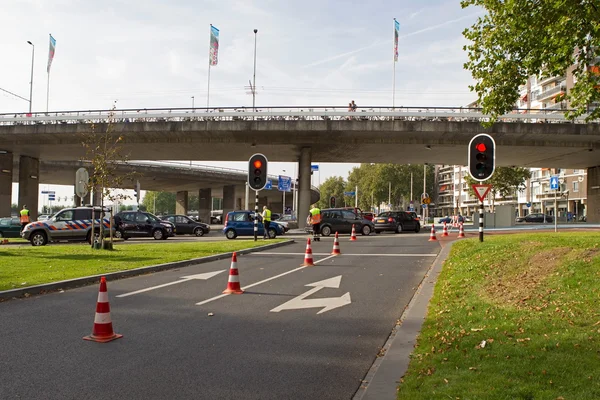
27 266
534 300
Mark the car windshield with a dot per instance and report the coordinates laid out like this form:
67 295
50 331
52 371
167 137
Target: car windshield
152 217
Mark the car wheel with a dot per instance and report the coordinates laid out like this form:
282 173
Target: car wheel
326 230
399 228
38 239
366 230
418 228
272 233
198 232
118 234
158 234
89 237
230 234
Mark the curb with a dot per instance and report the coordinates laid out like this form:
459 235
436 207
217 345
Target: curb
87 280
383 378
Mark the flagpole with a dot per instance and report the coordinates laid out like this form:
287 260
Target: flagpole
209 62
48 92
394 75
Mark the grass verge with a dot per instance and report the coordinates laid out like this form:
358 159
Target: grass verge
28 266
514 317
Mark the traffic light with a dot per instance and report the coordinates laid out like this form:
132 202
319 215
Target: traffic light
482 157
257 171
332 202
137 191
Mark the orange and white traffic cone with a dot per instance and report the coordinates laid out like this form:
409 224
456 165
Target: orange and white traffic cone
461 232
308 258
445 230
103 329
353 235
233 284
432 237
336 246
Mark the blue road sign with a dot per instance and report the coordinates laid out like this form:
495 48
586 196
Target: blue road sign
554 182
424 205
44 192
349 193
269 185
284 183
51 197
314 167
528 205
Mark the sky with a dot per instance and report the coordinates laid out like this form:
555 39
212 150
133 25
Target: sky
154 54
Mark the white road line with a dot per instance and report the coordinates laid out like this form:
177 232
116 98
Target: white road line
345 254
263 281
202 276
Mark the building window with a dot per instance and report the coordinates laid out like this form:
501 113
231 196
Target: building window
575 186
575 171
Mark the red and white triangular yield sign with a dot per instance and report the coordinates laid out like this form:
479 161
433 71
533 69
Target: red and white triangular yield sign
481 190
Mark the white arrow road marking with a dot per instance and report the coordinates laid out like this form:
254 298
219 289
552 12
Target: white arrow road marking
204 276
328 303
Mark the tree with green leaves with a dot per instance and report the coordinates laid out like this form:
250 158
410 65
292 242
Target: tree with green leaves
333 186
521 38
160 202
506 181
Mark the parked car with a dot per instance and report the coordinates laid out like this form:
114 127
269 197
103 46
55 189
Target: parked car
284 224
142 224
71 224
535 217
396 221
341 220
414 215
186 225
368 215
241 223
287 218
449 220
10 227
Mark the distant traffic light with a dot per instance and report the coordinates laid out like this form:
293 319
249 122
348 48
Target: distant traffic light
482 157
332 202
257 171
137 191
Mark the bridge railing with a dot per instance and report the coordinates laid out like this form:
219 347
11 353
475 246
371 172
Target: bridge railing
281 113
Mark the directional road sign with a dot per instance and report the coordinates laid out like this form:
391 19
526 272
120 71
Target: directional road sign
349 193
284 183
314 167
269 185
554 182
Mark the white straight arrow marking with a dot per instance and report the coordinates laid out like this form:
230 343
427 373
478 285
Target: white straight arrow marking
328 303
204 276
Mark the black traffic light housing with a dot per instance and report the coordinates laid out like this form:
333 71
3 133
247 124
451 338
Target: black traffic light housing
332 202
482 157
257 171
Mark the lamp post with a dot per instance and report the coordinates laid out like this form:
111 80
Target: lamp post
31 81
192 102
254 78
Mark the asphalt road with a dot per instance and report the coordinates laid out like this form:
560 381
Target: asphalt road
173 349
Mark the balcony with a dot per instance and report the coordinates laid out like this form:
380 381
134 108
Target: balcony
548 94
556 106
547 79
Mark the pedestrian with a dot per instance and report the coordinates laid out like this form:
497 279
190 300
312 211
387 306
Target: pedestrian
353 104
349 107
266 215
24 217
314 218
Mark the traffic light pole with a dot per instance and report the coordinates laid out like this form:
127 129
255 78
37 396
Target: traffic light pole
256 216
481 221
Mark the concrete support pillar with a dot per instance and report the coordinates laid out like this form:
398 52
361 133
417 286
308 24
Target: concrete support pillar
29 173
304 185
181 205
593 195
6 174
228 199
204 205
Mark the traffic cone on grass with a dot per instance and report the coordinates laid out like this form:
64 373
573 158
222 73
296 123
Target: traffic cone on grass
103 330
432 237
308 258
336 246
353 235
461 232
445 230
233 284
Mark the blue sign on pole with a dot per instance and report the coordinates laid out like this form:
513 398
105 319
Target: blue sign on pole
528 205
314 167
44 192
554 182
284 183
269 185
349 193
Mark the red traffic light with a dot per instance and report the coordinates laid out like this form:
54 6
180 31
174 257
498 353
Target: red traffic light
480 147
257 164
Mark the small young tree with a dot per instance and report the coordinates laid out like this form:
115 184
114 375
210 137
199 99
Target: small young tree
104 150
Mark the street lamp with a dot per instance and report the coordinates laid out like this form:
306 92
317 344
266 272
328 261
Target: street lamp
254 79
192 102
31 82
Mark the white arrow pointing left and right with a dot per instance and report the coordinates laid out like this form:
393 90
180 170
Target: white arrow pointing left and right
328 303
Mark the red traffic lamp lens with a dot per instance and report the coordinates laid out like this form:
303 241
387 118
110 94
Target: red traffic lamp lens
257 164
480 147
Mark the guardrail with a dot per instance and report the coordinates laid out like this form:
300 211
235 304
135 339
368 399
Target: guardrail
376 113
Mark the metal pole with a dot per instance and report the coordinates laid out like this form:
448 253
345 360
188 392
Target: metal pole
209 63
31 81
555 212
424 191
394 75
254 78
389 194
246 206
193 102
356 197
411 187
256 216
481 221
283 208
48 93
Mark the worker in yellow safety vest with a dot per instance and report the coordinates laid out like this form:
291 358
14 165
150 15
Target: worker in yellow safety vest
266 215
24 217
314 219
